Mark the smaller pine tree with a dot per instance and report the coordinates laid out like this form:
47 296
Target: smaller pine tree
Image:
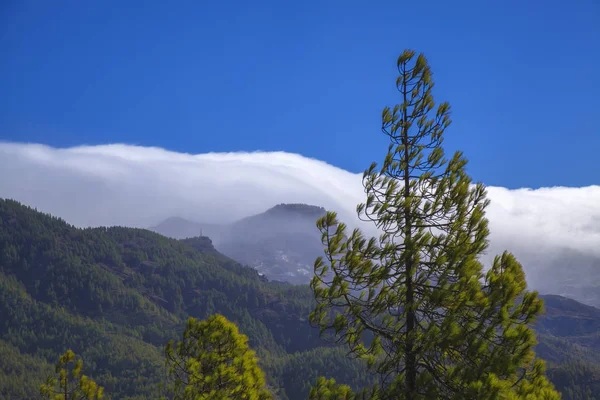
213 361
328 389
70 384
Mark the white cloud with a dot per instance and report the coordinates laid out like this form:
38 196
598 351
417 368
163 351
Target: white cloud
139 186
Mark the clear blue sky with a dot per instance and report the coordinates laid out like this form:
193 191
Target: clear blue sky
309 77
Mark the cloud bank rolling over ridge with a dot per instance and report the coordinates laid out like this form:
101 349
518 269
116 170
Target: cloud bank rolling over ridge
140 186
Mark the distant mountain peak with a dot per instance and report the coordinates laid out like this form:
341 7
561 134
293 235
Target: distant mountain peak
298 208
179 228
281 242
176 219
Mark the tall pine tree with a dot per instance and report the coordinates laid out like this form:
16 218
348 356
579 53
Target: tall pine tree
416 301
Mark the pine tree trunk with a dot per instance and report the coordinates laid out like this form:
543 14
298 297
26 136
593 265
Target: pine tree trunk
410 359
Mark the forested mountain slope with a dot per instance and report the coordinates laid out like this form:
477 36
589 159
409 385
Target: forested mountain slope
116 296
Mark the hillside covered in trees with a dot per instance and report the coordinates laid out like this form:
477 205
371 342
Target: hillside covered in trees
117 296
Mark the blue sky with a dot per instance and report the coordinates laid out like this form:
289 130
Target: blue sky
308 77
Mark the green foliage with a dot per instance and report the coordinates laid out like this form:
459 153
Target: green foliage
70 384
21 374
298 372
118 357
116 296
576 380
327 389
213 361
415 302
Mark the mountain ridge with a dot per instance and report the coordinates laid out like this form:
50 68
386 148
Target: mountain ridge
281 242
116 295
